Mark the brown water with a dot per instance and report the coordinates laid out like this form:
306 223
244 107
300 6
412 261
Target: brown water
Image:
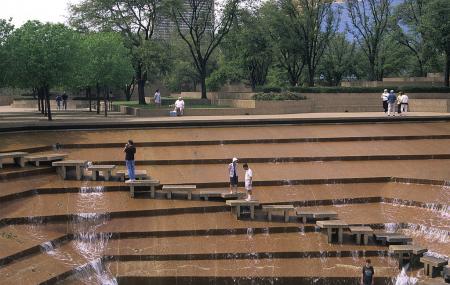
94 236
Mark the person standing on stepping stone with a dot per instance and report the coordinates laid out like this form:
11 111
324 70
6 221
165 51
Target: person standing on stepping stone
130 151
248 181
232 170
367 274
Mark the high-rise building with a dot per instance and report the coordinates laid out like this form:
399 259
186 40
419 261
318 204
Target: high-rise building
166 27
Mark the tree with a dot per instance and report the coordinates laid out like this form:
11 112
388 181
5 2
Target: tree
287 46
369 19
338 60
105 64
135 19
247 49
436 29
315 25
406 31
40 57
202 29
6 29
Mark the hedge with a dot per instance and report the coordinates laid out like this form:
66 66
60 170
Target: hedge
409 89
278 96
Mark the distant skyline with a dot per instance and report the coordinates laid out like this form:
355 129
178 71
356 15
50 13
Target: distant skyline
55 11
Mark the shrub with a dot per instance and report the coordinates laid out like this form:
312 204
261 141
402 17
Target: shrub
410 89
278 96
268 89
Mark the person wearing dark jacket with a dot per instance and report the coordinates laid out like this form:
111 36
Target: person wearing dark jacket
130 151
392 99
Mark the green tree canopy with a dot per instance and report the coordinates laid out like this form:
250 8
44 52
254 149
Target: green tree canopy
436 28
40 57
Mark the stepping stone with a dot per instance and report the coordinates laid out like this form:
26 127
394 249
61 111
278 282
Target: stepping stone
278 208
315 214
206 194
138 174
236 206
143 183
333 225
62 165
407 251
38 158
169 189
432 264
389 238
18 157
363 231
105 169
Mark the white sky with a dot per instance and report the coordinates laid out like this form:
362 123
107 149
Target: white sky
42 10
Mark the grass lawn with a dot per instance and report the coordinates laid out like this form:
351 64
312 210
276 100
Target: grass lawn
135 104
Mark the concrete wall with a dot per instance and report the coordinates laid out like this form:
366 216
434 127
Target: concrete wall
71 104
429 105
6 100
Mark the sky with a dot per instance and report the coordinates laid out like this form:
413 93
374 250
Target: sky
42 10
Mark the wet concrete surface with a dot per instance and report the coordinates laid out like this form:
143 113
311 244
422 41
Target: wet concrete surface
330 267
276 150
178 238
21 140
209 173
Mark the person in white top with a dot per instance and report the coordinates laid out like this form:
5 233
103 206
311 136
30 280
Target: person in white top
179 106
404 103
248 181
233 173
384 97
157 98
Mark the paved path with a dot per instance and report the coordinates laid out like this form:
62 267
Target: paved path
10 118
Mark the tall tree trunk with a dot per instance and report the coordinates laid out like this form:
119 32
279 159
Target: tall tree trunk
88 95
98 98
141 77
203 82
129 89
39 102
105 100
47 100
447 69
311 73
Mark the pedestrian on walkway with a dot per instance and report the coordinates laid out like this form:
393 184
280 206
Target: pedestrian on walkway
65 98
179 107
399 103
233 173
404 104
157 98
58 102
384 97
248 181
367 274
130 151
391 103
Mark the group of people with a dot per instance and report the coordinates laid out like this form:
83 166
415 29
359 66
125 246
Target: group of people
62 100
393 104
234 179
130 151
179 104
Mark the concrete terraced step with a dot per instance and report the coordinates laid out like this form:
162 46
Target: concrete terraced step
214 173
270 151
258 268
19 241
17 141
424 196
42 267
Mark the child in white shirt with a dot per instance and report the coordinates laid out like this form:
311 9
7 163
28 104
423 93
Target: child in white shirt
248 181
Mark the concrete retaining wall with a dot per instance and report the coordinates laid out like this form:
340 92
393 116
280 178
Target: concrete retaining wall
429 105
71 104
6 100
